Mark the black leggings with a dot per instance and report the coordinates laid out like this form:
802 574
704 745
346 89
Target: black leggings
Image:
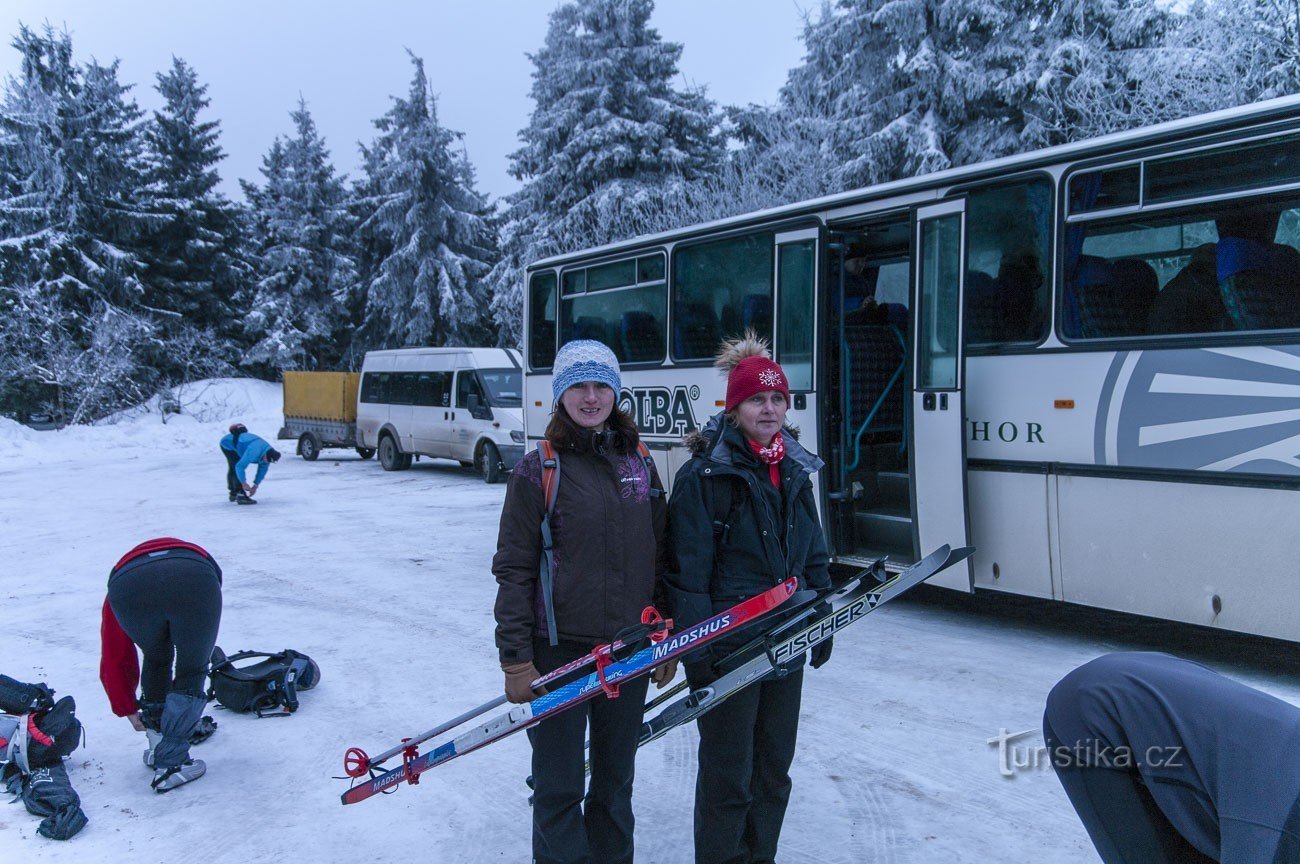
169 607
232 482
1119 813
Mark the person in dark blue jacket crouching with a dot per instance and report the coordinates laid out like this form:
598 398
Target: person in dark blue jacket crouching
1166 761
242 449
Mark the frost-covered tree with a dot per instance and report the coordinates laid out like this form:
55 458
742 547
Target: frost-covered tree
70 145
72 224
1120 64
906 87
425 229
195 256
305 269
608 135
1255 42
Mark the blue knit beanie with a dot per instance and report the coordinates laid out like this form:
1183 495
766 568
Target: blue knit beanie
584 360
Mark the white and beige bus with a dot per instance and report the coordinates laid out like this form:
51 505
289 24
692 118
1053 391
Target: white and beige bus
1083 360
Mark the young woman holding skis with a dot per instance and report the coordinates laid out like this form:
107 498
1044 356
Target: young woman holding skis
607 522
743 519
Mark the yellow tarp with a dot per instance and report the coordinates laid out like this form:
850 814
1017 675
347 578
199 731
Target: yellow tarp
321 395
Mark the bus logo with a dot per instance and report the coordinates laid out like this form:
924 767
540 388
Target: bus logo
1211 409
660 410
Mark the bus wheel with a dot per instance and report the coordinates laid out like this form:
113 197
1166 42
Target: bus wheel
309 446
365 452
489 463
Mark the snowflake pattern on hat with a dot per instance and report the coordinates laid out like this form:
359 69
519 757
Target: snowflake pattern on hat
770 378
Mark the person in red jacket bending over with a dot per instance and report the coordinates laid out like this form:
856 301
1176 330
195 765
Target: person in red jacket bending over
165 597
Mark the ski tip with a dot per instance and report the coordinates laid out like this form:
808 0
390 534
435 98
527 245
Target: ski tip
961 554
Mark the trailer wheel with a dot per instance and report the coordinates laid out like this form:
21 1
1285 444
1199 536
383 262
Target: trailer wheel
365 452
489 463
309 446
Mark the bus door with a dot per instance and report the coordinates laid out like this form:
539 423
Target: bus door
938 450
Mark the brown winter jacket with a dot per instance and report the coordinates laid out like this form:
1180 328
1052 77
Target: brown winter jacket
609 521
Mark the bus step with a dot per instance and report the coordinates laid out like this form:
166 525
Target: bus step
884 527
894 490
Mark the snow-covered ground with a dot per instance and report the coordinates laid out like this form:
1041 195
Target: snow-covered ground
384 579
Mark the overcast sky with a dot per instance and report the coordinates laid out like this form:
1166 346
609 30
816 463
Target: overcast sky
347 57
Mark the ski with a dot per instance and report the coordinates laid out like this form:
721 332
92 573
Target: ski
653 627
605 679
849 604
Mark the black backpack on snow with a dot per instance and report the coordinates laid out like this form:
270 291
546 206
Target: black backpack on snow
262 687
42 730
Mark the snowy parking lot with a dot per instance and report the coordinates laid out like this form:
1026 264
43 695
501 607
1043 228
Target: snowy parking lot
384 579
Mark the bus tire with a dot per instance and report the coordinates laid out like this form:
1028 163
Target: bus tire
390 457
309 446
489 463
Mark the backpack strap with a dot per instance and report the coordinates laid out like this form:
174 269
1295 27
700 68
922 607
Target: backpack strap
550 460
649 462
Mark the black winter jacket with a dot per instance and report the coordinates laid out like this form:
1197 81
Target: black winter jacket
762 535
608 523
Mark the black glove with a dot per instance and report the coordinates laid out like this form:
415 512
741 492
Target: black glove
700 672
821 652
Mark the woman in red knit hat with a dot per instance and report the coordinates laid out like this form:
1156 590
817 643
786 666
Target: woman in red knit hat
743 519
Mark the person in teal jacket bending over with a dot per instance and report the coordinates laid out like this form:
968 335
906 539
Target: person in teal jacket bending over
242 449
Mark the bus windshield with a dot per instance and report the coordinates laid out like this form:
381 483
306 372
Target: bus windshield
504 386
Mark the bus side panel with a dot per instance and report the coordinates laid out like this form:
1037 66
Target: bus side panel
1008 519
1168 549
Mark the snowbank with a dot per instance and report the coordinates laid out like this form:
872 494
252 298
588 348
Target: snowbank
206 410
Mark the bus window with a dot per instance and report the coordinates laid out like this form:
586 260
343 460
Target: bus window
1007 259
615 308
431 389
541 324
794 347
1227 267
720 289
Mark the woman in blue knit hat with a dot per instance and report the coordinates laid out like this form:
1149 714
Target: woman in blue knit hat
608 528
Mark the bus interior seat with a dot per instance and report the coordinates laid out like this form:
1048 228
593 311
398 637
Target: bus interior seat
756 314
544 334
641 337
696 332
1136 289
983 309
590 327
1256 282
1191 302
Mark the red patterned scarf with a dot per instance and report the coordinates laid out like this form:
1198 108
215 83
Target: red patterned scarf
771 455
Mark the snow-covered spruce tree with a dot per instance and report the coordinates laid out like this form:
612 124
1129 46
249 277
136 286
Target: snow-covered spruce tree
1120 64
304 265
71 217
906 87
425 230
195 256
608 133
1257 41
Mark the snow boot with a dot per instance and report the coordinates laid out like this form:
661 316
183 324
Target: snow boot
167 779
244 499
233 496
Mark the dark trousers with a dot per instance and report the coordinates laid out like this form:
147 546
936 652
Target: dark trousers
232 481
1119 813
170 607
743 786
570 827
